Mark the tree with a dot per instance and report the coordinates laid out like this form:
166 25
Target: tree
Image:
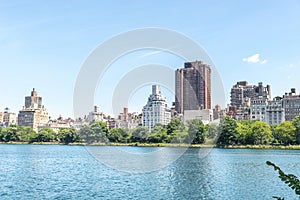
242 132
159 134
227 130
95 132
46 135
260 133
285 133
67 135
296 123
116 135
174 125
179 136
212 130
195 131
10 134
139 134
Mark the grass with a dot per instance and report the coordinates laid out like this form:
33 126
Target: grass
208 144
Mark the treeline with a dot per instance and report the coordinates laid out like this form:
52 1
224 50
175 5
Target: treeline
15 133
246 132
97 132
227 132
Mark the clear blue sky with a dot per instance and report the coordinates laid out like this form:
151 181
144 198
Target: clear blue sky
44 43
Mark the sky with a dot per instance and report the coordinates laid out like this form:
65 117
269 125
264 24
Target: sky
43 45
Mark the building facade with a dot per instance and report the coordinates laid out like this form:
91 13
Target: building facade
1 117
95 115
291 104
193 87
156 110
33 114
8 117
258 109
243 95
206 115
128 120
275 113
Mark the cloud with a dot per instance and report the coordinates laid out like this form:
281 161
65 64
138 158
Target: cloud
255 59
264 61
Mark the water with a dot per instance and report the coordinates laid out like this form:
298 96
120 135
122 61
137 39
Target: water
70 172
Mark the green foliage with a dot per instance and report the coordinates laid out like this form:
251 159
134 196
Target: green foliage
179 136
67 135
46 135
227 129
159 134
139 134
291 180
285 133
296 123
242 133
95 132
211 131
175 125
228 132
260 133
10 134
195 131
118 135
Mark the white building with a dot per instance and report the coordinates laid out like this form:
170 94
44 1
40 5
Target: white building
95 115
206 115
156 110
8 118
275 113
258 109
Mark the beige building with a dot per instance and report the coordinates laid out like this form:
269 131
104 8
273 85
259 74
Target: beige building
33 113
1 117
128 120
8 117
206 115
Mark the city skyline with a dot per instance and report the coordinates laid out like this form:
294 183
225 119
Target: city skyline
44 45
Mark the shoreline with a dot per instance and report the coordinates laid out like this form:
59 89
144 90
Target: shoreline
291 147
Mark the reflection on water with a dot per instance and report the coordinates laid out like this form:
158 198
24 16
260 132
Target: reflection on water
60 172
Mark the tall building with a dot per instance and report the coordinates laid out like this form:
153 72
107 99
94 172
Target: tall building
275 113
193 87
242 95
33 101
258 108
33 114
156 110
291 104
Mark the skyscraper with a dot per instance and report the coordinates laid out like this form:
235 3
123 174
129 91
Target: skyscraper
33 113
193 87
156 110
33 100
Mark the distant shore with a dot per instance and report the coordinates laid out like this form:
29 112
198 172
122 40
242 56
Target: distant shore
295 147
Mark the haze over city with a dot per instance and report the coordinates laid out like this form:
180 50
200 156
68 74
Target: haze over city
43 45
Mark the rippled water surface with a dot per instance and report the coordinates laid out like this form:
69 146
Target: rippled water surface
71 172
